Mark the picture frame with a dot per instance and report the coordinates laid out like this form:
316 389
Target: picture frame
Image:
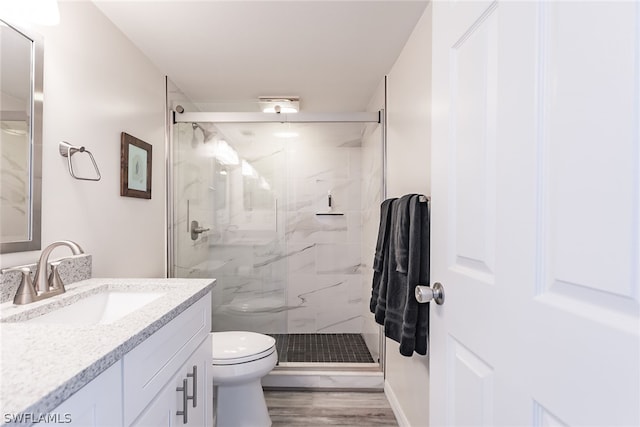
135 167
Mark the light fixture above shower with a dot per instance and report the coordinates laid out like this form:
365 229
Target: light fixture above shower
279 104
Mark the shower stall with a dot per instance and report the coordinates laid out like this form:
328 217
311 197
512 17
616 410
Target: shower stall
282 210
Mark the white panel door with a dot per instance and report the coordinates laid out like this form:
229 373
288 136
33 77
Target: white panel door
535 214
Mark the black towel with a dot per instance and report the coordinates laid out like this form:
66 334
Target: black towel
392 301
388 267
415 320
402 237
382 246
405 265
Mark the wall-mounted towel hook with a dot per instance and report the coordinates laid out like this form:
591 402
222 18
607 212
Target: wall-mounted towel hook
67 150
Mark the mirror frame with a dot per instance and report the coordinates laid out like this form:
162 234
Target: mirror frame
35 140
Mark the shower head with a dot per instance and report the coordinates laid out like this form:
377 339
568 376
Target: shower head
207 134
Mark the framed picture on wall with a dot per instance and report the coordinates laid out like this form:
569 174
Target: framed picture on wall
135 167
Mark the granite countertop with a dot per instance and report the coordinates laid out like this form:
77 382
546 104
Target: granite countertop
44 364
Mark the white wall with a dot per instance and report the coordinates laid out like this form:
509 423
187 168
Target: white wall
408 161
408 115
96 85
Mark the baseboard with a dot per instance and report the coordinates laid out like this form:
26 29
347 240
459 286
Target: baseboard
395 406
317 379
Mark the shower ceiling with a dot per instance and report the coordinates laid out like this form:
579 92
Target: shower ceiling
333 54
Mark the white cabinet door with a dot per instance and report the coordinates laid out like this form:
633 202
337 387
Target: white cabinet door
199 409
535 213
148 367
163 411
97 404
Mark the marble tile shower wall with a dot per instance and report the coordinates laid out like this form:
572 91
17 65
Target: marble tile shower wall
302 276
250 250
324 264
193 199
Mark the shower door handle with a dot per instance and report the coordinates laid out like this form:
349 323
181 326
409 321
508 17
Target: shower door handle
275 204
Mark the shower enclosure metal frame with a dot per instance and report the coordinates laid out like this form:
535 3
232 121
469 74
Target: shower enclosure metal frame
197 117
174 117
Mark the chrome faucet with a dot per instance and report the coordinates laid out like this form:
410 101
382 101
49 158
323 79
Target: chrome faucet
42 286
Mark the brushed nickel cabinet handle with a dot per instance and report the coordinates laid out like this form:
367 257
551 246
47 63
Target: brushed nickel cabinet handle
194 396
183 389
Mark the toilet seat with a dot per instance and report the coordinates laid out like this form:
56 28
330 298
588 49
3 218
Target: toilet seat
237 347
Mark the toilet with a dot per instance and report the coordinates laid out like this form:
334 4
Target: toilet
240 360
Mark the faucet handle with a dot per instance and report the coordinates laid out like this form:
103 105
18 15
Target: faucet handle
55 282
26 292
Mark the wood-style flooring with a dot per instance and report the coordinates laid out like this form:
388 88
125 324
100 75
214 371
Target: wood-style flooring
329 408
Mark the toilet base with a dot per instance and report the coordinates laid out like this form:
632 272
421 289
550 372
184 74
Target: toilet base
242 405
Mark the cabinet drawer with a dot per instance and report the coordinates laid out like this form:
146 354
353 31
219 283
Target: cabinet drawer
149 366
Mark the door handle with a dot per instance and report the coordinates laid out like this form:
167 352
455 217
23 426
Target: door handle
425 294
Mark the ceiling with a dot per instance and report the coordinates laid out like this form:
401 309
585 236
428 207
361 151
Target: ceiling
224 54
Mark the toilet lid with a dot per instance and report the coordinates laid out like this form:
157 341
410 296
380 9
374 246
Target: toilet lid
235 347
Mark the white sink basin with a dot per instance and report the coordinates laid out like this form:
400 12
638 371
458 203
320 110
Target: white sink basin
99 309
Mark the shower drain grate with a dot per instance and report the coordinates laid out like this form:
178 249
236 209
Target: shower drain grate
334 348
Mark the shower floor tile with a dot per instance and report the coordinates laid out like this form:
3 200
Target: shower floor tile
334 348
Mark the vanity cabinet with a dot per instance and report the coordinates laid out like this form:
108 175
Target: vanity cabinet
141 388
168 408
165 361
97 404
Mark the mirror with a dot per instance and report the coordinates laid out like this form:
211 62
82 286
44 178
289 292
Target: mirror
21 68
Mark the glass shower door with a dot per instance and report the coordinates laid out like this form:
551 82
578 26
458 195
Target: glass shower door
286 260
227 224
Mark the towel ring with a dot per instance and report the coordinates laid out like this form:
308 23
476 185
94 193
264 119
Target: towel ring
67 150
